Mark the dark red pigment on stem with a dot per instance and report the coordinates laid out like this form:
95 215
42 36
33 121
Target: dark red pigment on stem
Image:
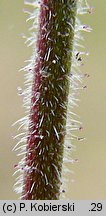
33 139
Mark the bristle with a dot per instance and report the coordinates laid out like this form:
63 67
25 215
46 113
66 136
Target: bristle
75 79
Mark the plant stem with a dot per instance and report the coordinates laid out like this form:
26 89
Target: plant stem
45 143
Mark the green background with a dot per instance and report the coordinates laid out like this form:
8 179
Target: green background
89 178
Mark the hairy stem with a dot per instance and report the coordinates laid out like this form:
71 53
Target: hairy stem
45 142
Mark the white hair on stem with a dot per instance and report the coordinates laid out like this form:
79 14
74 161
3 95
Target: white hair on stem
76 83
